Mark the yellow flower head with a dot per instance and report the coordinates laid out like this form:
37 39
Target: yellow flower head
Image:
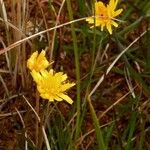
105 15
37 61
52 86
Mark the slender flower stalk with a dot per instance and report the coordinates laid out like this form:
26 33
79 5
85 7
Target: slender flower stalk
105 15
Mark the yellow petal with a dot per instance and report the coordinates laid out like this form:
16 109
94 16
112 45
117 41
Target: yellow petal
66 97
58 98
99 8
51 71
31 60
108 26
114 23
90 20
44 73
116 13
37 62
66 86
36 76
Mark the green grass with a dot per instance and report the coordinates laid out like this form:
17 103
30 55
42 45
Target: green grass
111 72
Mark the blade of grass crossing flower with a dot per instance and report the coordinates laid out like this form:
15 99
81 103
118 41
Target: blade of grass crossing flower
100 140
77 68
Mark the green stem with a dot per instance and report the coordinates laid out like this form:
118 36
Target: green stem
98 132
77 69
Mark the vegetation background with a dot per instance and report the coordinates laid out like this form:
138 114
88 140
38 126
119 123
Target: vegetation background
111 108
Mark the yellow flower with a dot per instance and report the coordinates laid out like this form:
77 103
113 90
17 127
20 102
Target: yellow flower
37 61
52 86
105 15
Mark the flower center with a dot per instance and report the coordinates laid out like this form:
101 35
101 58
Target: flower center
103 16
